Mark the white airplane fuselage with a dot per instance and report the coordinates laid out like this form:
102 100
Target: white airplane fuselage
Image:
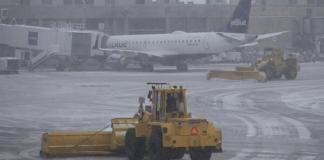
176 43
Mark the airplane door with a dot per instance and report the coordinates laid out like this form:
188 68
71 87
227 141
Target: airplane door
144 44
206 42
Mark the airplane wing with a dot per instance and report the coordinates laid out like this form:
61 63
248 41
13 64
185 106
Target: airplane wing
270 35
249 44
262 37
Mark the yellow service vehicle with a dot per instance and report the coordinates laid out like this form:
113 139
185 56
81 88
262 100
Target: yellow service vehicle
273 65
163 130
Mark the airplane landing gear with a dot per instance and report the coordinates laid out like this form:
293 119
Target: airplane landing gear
148 67
182 67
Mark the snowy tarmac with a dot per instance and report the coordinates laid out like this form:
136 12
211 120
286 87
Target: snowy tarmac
276 120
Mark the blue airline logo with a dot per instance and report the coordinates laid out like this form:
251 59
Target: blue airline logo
119 45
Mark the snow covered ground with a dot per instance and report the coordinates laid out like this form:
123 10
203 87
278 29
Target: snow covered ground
277 120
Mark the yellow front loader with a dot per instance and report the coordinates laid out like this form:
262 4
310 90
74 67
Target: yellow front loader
163 130
273 65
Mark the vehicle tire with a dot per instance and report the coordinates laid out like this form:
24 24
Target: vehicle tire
43 155
118 66
291 74
182 67
270 72
277 76
198 153
156 150
60 68
148 67
62 64
177 153
135 147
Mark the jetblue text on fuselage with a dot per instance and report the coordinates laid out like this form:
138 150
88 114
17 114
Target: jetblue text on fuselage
119 45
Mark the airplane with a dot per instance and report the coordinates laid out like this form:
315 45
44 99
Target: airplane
174 49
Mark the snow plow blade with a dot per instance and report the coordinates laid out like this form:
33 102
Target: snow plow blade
79 143
237 75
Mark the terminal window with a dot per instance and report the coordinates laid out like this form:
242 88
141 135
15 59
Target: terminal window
33 38
78 1
4 13
47 2
292 1
67 2
89 2
25 2
110 2
311 2
140 1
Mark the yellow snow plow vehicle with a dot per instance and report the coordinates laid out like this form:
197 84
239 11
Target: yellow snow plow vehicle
273 65
163 130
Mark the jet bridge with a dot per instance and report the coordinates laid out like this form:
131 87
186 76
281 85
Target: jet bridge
35 45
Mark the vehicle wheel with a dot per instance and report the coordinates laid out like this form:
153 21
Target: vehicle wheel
182 67
177 153
148 67
101 62
135 147
269 70
277 76
43 155
291 74
60 68
200 153
118 66
157 151
62 64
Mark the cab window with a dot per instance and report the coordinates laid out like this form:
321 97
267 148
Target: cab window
172 102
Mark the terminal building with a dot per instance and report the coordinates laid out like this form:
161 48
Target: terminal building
303 18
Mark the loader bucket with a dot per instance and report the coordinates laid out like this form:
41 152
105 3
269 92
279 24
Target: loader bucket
78 143
237 75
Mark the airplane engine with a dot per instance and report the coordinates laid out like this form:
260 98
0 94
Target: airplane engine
117 61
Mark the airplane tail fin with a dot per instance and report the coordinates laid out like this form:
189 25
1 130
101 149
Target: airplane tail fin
239 22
